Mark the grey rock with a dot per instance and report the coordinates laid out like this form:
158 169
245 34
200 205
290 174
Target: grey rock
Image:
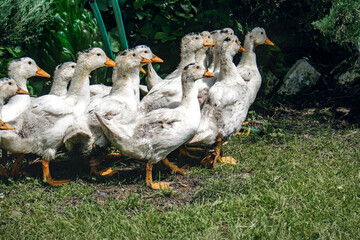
347 72
269 81
300 78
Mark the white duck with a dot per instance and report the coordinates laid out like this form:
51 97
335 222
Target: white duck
154 135
122 103
214 52
41 128
247 66
62 75
8 88
168 93
20 70
228 103
205 84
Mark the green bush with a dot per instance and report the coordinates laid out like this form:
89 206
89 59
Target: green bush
342 24
72 30
21 23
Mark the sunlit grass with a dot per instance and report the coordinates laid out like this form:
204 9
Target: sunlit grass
302 181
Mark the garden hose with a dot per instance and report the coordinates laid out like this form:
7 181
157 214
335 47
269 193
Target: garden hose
119 24
100 22
257 131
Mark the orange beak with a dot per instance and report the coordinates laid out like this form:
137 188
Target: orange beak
156 59
242 49
143 71
208 74
41 73
21 91
6 126
145 60
89 76
207 43
109 63
268 42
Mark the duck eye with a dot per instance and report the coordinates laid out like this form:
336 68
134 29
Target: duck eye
99 54
196 38
197 67
262 33
10 83
146 51
30 62
134 54
72 66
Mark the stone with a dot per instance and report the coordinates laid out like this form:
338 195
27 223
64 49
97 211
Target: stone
347 72
268 83
300 78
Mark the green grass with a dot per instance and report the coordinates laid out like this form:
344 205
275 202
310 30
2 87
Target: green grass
301 180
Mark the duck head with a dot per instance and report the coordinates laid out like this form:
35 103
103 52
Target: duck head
192 42
8 88
258 36
133 58
25 68
226 32
195 71
146 52
66 70
94 58
231 44
208 39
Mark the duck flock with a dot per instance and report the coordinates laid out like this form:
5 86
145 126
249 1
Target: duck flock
199 105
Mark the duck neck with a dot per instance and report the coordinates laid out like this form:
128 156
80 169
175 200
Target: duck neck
189 93
217 58
200 56
248 57
187 57
126 83
227 67
79 87
19 79
59 86
1 106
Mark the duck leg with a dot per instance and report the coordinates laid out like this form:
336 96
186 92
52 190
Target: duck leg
210 160
247 131
16 167
151 183
184 151
47 176
114 155
105 172
173 167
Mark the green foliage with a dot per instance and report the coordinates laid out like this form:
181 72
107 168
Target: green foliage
22 21
342 24
73 30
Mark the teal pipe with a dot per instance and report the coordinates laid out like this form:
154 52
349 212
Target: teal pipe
119 24
253 130
101 25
